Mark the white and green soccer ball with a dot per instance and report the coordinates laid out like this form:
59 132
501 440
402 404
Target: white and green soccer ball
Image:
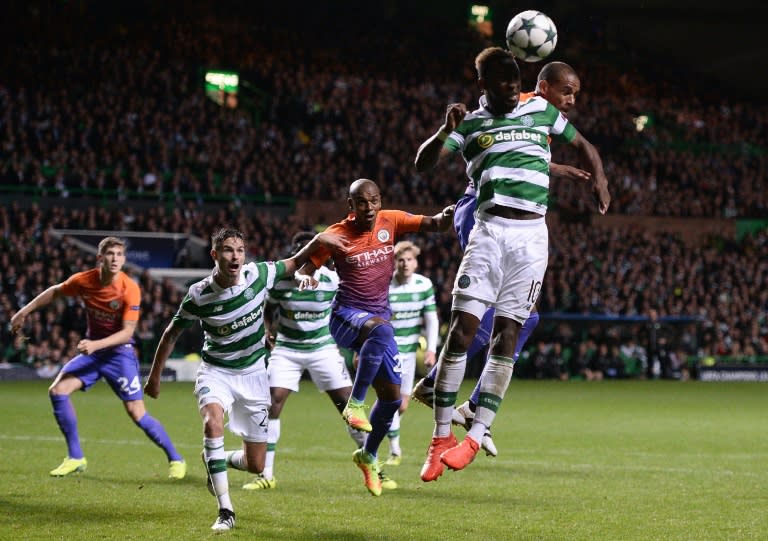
531 36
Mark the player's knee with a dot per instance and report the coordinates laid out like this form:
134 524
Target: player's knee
59 390
213 424
504 341
458 340
383 333
135 409
65 385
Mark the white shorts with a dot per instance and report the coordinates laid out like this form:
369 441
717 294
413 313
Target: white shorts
244 395
503 266
326 367
408 372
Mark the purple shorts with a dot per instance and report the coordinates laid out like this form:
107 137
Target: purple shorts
346 323
464 218
118 365
345 328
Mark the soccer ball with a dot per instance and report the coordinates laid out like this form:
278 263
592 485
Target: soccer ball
531 36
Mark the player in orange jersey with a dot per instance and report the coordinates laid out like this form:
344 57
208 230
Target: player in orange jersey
112 301
360 313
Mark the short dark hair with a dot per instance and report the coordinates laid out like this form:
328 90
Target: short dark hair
299 240
493 56
220 235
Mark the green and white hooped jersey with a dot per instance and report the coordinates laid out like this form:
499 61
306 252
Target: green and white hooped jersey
409 302
304 315
232 318
508 156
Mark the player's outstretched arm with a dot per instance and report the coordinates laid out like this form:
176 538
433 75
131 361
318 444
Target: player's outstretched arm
43 299
599 180
432 151
441 221
568 172
325 242
163 351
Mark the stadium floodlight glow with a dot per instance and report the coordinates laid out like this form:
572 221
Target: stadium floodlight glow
481 19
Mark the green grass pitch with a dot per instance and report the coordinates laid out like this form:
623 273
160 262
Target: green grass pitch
578 461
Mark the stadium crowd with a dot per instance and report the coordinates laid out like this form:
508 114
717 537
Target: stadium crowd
130 117
595 272
127 120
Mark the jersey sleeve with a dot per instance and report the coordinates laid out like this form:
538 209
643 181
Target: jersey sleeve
186 316
408 223
322 254
71 287
562 130
454 142
273 272
279 273
131 301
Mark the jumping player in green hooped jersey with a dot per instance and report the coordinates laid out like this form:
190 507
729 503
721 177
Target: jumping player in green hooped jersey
232 377
506 148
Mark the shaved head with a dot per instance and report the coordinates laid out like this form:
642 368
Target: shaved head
556 71
559 85
365 202
360 185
